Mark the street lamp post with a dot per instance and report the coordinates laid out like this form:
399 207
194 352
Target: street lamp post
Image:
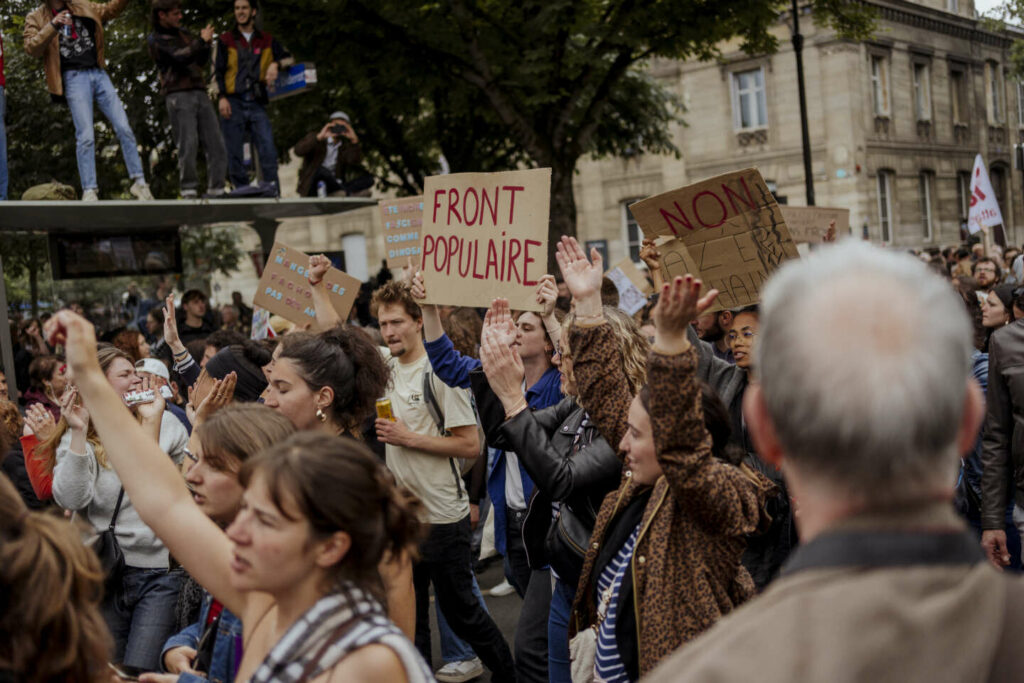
798 46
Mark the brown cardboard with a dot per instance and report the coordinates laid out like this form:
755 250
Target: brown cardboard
810 223
284 290
401 220
728 231
485 235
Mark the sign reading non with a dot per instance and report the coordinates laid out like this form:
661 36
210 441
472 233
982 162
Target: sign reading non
810 223
402 219
485 235
285 291
728 230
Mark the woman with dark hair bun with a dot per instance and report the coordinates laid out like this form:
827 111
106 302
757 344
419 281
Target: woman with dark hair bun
299 564
327 382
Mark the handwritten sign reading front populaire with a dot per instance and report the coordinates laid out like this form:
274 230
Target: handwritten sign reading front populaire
401 220
485 235
284 288
810 223
731 229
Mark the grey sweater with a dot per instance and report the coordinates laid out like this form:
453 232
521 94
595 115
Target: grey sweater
80 483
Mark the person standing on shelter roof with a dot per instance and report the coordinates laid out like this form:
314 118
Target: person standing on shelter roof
68 36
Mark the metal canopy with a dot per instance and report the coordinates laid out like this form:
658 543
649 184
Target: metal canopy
112 216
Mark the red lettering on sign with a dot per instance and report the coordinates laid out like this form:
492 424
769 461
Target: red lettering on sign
476 206
453 205
492 260
485 204
721 204
437 202
453 248
514 249
527 261
681 219
732 197
512 205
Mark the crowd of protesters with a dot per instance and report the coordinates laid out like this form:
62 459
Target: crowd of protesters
285 509
239 68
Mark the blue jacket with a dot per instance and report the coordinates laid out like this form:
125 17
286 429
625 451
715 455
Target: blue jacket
453 369
227 645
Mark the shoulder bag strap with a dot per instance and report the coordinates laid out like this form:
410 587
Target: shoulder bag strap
117 509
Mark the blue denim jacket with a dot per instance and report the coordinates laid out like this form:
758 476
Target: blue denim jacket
227 645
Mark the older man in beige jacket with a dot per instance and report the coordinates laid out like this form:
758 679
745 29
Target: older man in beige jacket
866 402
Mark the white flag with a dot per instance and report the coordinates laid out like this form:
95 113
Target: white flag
984 212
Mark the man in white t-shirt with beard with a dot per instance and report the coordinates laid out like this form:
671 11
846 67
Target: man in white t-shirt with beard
422 458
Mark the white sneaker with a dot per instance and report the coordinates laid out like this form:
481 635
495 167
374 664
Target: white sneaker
90 196
140 191
502 589
189 194
460 672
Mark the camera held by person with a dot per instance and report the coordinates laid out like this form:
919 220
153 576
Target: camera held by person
332 161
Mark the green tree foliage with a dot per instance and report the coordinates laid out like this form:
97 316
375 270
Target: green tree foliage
487 84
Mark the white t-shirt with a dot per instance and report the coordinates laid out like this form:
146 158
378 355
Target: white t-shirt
248 36
428 476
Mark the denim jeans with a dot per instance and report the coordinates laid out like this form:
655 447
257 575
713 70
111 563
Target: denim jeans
3 144
140 615
251 116
445 563
562 595
534 585
81 88
193 120
453 648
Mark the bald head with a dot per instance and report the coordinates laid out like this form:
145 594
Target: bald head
864 358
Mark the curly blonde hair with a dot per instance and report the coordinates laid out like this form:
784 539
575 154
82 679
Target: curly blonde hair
631 341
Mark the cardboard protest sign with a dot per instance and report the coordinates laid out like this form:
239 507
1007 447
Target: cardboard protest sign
631 299
730 233
810 223
284 290
485 235
401 220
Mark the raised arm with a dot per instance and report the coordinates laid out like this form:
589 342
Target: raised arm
326 316
597 359
721 495
149 477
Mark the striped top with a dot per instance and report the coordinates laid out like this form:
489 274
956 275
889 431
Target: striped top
608 666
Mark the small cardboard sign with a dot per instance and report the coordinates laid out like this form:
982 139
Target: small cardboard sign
631 299
485 235
284 290
727 230
401 220
810 223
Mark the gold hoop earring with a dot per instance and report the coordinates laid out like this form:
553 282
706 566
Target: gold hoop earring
321 414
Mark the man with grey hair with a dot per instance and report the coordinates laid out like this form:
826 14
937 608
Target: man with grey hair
332 161
866 402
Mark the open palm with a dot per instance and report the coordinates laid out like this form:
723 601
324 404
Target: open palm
582 276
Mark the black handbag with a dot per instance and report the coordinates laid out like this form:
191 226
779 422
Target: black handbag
108 550
567 543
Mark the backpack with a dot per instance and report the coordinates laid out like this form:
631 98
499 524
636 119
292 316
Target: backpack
52 191
464 465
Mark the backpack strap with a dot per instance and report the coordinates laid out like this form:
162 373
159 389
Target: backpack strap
434 408
117 509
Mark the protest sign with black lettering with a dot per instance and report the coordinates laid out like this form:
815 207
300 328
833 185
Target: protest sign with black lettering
401 220
729 227
284 290
485 235
810 223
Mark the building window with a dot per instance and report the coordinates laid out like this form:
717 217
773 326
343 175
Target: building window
634 236
885 204
749 104
994 92
922 92
998 177
880 85
1020 103
963 193
958 96
927 185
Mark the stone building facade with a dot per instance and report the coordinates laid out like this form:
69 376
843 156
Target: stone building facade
895 123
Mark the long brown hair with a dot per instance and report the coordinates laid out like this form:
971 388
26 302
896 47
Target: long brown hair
338 485
46 451
129 341
51 628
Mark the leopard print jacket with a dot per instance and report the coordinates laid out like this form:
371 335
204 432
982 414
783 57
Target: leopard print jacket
686 564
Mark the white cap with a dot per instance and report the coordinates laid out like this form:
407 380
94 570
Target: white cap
153 367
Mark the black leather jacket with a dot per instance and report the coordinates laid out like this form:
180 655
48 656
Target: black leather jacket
1002 455
578 474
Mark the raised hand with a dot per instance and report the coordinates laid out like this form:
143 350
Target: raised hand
171 326
222 393
73 412
152 411
547 295
504 370
318 266
582 276
679 304
498 324
650 254
79 339
416 287
39 420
